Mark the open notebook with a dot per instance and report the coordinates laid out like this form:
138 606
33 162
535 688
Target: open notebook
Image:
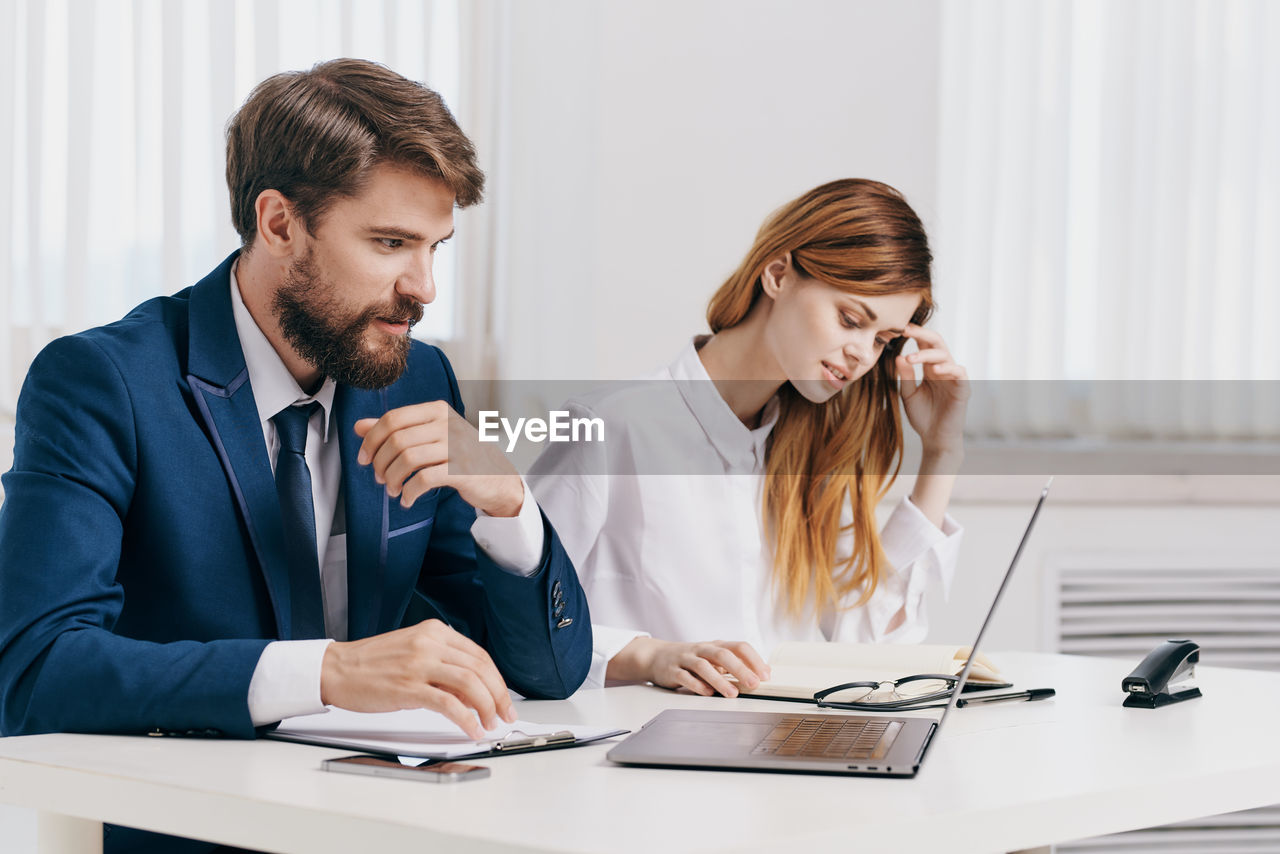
426 734
800 669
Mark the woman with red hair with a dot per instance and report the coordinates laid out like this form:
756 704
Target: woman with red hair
736 497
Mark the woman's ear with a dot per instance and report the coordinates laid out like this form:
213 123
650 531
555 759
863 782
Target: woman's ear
775 277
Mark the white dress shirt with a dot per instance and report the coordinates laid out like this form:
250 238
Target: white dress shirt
663 521
286 680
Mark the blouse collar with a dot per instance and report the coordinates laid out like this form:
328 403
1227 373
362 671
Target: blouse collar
739 445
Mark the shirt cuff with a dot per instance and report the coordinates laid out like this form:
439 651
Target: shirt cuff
919 554
909 536
286 682
606 642
513 543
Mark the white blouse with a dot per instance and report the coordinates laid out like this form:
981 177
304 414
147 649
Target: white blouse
663 522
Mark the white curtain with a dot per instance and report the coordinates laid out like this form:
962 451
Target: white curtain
483 268
114 189
1109 212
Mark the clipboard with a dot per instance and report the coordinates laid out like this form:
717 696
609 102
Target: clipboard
429 735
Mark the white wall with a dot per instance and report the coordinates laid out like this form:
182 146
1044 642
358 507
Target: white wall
1086 521
653 138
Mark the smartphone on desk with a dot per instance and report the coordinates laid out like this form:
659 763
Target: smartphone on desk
428 772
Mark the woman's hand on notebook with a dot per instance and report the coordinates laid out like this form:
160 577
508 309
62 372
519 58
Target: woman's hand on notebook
704 667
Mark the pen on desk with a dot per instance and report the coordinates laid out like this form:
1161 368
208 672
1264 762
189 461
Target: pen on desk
1029 695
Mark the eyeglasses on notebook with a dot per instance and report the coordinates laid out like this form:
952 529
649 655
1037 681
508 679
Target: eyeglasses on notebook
909 692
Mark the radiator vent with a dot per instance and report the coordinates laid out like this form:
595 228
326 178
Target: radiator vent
1234 614
1248 832
1120 606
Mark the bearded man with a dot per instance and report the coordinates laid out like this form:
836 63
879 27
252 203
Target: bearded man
258 497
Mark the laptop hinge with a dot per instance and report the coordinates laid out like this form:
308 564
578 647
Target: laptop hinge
928 739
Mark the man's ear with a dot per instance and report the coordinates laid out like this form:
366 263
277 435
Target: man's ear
773 279
279 229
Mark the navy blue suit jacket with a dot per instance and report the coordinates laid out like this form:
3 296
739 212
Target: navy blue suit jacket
142 559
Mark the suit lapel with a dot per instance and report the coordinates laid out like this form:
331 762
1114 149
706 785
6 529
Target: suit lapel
366 515
219 383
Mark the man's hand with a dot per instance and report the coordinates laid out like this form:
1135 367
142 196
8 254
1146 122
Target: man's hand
415 449
427 666
700 667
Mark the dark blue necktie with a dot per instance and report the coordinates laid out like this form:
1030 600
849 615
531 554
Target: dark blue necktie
293 484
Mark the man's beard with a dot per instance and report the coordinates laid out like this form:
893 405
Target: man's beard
331 338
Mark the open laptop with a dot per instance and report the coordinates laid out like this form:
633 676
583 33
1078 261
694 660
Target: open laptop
865 744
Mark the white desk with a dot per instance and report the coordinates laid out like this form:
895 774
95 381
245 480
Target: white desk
999 778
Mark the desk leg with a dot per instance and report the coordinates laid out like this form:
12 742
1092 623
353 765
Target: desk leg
64 834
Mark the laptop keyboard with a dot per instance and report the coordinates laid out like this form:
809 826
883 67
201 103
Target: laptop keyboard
830 737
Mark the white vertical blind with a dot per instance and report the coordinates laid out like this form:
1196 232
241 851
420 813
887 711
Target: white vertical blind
114 189
484 81
1109 202
9 57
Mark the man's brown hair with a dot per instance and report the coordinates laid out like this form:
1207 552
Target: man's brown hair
315 135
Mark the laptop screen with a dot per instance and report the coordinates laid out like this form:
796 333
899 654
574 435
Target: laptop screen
964 673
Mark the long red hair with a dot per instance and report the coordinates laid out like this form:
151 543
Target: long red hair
863 237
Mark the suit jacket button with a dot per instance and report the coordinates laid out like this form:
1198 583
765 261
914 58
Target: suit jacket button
567 621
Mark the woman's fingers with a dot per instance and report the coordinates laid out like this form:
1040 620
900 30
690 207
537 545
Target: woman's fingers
949 371
923 336
685 679
706 671
748 654
727 661
933 355
709 667
906 376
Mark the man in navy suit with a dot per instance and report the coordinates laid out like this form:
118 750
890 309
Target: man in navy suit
258 496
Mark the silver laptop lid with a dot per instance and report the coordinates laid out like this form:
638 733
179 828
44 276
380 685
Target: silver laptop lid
973 651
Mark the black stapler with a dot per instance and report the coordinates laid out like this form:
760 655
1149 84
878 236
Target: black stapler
1167 675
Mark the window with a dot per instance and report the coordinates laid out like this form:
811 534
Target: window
114 190
1109 202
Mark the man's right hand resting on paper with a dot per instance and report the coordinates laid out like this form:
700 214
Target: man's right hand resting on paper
701 667
429 666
